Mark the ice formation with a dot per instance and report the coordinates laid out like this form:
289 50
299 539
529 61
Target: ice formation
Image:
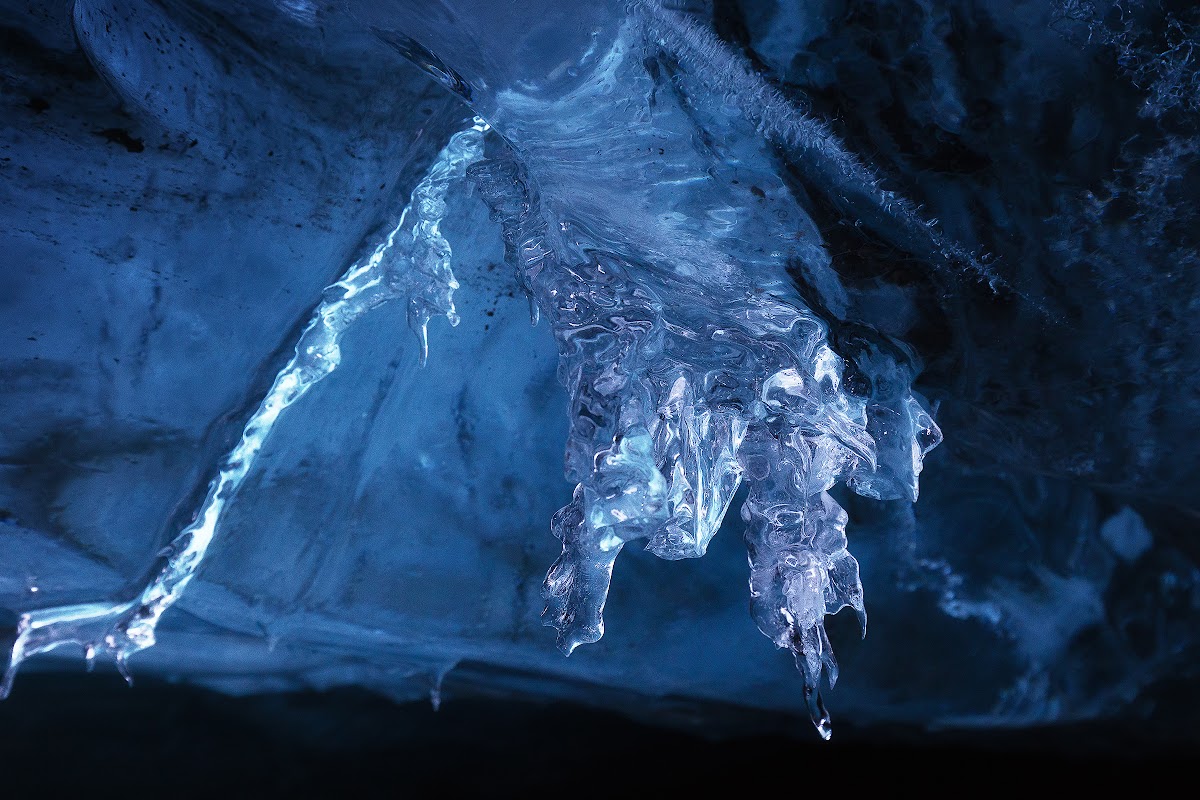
685 378
750 228
411 264
692 370
675 401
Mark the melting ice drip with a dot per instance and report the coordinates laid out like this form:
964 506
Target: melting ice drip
677 396
412 262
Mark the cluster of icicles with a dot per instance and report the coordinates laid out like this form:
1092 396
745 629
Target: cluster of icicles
676 399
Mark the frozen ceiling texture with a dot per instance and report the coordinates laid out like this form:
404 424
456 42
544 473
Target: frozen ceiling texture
886 307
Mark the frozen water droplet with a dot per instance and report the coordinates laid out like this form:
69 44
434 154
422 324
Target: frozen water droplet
824 727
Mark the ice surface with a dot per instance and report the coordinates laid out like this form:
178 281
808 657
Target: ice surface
758 235
411 264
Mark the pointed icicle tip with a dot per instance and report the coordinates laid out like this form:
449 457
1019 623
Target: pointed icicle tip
422 331
10 657
817 711
824 729
435 692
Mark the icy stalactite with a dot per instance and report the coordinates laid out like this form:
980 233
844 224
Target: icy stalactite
676 397
690 362
413 262
690 365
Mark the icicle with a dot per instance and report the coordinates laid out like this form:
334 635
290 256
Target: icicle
439 677
677 398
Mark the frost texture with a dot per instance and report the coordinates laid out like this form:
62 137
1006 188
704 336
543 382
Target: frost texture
412 262
819 153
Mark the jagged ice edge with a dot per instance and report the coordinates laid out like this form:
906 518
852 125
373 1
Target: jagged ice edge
638 414
413 261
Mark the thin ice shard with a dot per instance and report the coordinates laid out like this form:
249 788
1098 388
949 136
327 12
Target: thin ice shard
412 262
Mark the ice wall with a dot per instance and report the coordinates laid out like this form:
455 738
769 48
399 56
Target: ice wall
749 228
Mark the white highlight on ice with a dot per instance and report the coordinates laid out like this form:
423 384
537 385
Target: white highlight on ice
414 262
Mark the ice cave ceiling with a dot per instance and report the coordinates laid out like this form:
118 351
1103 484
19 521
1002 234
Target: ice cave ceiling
773 247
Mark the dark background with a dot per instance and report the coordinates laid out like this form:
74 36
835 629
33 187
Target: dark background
90 734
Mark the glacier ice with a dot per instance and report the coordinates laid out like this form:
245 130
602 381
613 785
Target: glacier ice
754 232
675 400
681 386
414 269
686 380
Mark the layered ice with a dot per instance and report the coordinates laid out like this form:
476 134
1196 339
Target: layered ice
753 237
